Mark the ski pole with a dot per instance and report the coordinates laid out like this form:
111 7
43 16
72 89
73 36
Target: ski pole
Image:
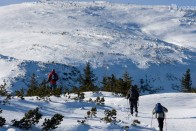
127 107
138 103
151 120
165 124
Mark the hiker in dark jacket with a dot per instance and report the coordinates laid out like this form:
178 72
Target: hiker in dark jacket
53 78
133 96
159 112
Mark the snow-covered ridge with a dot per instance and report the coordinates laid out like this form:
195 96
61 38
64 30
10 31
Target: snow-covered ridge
106 34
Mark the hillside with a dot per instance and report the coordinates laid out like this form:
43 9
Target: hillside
181 115
157 42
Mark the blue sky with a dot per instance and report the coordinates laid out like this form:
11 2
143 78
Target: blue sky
141 2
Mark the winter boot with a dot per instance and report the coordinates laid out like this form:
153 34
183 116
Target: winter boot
160 129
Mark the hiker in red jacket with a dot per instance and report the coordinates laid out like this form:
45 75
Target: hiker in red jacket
53 78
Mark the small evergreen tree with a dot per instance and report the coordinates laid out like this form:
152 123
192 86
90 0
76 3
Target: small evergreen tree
20 93
53 122
7 99
109 83
92 112
43 83
127 83
31 118
74 90
32 86
186 82
81 96
33 81
102 101
2 120
97 99
57 92
83 122
110 116
43 93
3 91
119 84
88 79
88 113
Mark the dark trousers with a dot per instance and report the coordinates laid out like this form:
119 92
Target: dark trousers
133 104
160 121
53 86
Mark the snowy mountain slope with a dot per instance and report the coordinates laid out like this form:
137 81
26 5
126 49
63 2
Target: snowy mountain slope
145 40
180 117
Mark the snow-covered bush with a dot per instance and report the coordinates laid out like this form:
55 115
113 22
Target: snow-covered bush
53 122
92 112
31 118
100 101
2 120
110 116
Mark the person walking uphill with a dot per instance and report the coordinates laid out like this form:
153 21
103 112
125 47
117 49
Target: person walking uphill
53 78
160 111
133 96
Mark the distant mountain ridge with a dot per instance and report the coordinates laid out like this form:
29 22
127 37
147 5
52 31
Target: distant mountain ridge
153 41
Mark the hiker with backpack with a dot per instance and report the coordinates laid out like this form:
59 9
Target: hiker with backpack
133 96
160 111
53 78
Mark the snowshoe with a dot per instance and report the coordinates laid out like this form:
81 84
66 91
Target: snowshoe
135 122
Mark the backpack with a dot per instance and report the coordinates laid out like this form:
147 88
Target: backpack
134 94
54 76
158 108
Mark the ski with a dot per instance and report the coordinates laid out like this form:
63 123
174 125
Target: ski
134 120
